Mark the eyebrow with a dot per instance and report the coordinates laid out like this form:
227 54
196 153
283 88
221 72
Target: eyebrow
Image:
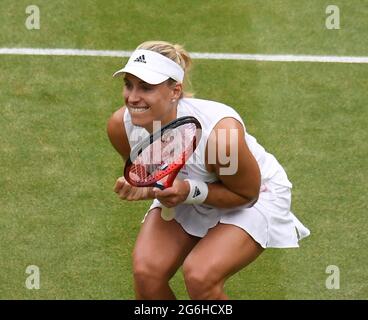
140 81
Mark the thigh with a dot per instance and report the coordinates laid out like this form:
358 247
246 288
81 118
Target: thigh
162 244
225 250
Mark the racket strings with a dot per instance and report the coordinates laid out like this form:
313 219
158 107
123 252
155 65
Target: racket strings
165 154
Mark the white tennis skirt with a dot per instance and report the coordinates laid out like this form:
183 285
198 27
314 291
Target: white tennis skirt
269 221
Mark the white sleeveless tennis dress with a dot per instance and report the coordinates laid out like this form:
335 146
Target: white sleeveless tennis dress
269 221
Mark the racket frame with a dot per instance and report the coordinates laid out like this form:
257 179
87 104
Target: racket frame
172 169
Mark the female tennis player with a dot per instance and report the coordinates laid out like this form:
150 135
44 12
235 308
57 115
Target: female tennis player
231 203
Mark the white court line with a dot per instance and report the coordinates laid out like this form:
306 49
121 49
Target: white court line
194 55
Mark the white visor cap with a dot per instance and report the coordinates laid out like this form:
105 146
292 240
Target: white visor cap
152 67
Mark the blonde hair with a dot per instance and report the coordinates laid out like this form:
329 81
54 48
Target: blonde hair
175 52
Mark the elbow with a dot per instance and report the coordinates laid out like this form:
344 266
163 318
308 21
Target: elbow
253 192
252 200
252 195
248 198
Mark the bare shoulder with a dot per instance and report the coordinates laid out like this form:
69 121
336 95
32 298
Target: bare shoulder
229 123
224 137
117 118
224 130
117 133
232 161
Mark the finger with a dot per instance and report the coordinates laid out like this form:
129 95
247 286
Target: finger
127 187
168 201
169 192
168 204
134 194
118 184
164 203
124 191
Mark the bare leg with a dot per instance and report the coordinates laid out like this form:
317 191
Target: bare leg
160 250
225 250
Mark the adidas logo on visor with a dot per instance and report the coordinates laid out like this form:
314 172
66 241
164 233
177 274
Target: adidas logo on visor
140 59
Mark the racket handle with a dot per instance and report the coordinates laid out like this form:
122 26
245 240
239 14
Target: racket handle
167 213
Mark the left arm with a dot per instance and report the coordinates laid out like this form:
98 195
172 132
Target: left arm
240 177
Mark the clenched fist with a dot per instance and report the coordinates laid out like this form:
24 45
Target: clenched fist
128 192
173 195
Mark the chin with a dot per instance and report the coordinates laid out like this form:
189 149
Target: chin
141 122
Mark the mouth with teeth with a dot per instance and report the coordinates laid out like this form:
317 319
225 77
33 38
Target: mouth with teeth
138 109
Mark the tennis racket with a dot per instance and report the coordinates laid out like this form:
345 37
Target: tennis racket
157 160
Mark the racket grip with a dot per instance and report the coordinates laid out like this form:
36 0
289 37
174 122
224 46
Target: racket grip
167 213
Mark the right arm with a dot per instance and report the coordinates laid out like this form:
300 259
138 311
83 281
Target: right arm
117 134
119 139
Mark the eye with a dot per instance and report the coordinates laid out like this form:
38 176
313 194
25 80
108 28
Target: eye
127 84
146 87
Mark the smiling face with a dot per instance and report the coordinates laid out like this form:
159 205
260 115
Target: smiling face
147 103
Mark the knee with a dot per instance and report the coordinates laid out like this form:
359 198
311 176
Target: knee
201 281
148 274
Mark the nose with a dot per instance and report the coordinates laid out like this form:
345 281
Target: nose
132 97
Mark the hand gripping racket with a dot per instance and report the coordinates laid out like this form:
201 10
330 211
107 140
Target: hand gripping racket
157 160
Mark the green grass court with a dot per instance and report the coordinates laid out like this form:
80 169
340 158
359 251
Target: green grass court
57 167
